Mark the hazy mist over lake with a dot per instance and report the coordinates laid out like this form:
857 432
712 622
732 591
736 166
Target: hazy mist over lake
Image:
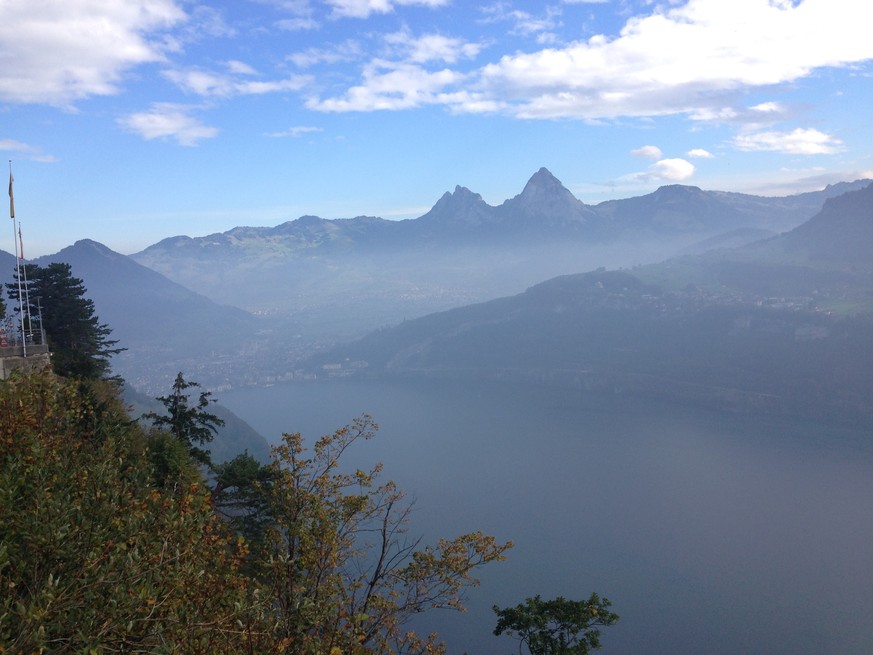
711 533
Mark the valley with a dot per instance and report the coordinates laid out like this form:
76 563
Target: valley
257 306
710 394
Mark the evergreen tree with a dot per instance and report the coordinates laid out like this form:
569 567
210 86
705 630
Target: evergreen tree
241 493
20 285
190 423
79 343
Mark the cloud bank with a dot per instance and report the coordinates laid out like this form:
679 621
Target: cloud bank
60 52
698 59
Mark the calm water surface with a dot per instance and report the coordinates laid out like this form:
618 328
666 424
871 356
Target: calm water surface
711 534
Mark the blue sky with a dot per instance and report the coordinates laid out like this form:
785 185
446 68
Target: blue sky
127 122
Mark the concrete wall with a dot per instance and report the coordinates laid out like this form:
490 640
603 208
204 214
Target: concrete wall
33 361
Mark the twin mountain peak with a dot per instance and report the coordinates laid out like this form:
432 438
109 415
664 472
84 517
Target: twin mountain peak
545 210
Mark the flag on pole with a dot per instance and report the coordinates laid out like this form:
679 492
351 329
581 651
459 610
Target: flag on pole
20 243
11 198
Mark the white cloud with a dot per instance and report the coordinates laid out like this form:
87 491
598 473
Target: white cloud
13 145
294 6
168 121
203 22
25 150
700 153
683 59
60 52
431 47
240 68
664 170
404 80
301 15
751 118
672 170
433 4
768 107
523 23
392 85
796 142
348 50
365 8
359 8
694 58
210 84
650 152
296 131
298 24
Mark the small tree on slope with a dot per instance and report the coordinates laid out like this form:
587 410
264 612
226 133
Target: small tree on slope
556 627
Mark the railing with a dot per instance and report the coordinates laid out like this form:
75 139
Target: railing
14 344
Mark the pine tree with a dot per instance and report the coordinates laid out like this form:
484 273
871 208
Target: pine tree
21 287
190 423
79 343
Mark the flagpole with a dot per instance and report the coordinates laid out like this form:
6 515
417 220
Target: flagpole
17 264
26 286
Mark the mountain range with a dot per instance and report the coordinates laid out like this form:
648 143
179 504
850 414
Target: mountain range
316 273
784 324
544 211
248 305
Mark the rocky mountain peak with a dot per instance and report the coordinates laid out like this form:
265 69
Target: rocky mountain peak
545 200
462 206
461 197
543 183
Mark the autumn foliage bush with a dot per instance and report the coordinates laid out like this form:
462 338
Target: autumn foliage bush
104 548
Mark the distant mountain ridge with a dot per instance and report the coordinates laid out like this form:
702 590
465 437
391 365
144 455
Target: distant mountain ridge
463 250
247 305
842 231
749 329
545 210
165 327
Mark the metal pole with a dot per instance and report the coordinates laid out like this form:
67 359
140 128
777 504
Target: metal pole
26 286
42 340
18 266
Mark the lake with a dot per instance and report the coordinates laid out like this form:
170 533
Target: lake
710 533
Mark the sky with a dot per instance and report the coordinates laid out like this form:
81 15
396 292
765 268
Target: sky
130 121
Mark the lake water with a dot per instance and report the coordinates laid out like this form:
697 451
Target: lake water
711 534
